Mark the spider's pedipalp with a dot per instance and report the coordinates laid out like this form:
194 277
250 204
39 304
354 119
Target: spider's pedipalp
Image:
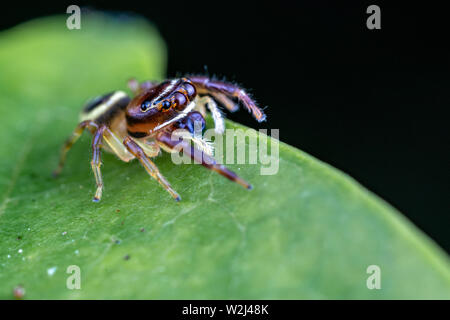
219 124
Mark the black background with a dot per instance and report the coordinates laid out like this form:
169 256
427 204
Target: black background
369 102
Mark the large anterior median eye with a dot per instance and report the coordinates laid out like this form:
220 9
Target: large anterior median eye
145 106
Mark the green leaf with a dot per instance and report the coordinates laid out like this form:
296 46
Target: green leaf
307 232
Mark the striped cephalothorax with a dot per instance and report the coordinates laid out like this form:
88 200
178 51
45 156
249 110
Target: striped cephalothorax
160 106
140 127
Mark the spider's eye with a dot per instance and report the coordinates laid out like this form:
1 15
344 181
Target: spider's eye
165 105
145 105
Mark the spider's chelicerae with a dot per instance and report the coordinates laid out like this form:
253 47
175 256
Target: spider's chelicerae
141 126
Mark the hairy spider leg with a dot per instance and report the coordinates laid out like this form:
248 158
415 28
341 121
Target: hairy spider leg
116 145
71 141
229 104
200 157
149 166
206 86
96 162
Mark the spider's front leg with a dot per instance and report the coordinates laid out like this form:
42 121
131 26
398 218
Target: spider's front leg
149 166
222 91
219 125
200 157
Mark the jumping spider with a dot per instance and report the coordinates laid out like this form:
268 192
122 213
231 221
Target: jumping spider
141 126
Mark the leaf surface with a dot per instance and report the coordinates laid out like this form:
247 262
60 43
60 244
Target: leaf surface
308 232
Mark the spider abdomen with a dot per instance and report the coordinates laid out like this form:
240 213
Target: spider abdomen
104 108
